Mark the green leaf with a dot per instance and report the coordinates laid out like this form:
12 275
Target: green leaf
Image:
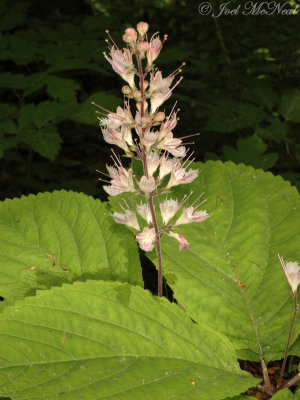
290 105
45 112
45 140
284 395
228 116
25 115
7 142
8 126
11 20
255 216
262 93
277 131
251 152
73 226
112 340
14 81
86 112
61 88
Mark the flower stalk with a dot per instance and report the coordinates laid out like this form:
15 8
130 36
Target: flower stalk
292 272
146 134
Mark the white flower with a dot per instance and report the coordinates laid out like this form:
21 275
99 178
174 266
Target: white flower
292 272
179 175
190 215
129 219
121 181
145 212
166 166
147 185
168 209
146 238
153 162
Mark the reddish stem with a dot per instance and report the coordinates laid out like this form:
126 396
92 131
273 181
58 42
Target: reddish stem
289 339
150 200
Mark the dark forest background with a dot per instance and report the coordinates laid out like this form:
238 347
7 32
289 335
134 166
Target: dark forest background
239 89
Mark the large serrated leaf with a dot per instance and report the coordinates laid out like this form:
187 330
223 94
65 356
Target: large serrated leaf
107 340
254 216
71 227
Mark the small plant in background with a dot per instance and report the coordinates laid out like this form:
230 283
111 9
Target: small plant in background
146 134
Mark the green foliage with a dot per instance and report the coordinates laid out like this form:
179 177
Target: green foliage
41 95
71 227
251 152
254 217
285 395
101 338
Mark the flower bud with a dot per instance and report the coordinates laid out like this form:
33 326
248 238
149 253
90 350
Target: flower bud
143 46
126 90
142 28
160 116
130 35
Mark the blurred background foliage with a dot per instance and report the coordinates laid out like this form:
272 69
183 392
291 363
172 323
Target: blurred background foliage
239 89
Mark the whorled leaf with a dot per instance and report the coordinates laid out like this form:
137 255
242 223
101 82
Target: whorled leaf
61 237
231 278
108 340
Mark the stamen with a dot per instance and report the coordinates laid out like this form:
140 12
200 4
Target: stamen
200 204
177 83
198 198
102 108
195 134
174 73
171 111
103 173
108 34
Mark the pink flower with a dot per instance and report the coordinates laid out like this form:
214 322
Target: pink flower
118 137
154 50
183 243
190 215
122 64
121 181
157 99
148 138
115 120
167 126
179 176
158 83
130 35
179 152
169 143
146 238
292 272
168 209
147 185
166 166
142 28
129 219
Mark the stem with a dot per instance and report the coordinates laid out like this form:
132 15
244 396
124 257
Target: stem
289 338
268 386
150 200
158 247
291 382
